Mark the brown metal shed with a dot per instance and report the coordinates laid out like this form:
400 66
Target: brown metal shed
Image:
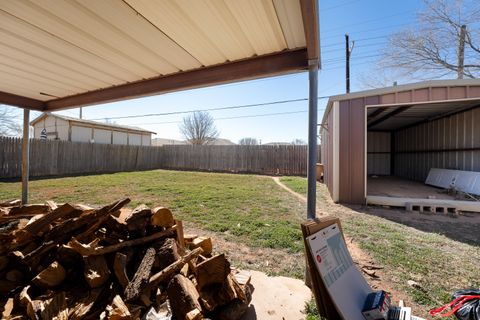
401 132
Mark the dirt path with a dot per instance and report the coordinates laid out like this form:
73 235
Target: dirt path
373 272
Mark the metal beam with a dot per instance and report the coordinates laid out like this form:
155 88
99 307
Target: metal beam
311 29
25 155
20 101
388 116
256 67
312 140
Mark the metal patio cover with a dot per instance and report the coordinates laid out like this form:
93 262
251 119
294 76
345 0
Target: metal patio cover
58 54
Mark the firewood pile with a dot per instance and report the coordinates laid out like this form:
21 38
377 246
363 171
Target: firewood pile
76 262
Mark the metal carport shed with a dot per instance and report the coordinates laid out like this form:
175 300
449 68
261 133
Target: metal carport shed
378 146
63 54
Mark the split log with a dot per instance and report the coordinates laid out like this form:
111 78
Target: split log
183 296
119 268
35 309
40 225
138 220
117 310
174 267
212 271
96 271
11 203
56 308
86 250
8 308
84 305
167 254
141 277
203 242
220 294
50 277
29 209
162 217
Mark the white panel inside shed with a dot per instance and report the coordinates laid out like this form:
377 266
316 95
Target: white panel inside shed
81 134
134 139
102 136
120 137
378 153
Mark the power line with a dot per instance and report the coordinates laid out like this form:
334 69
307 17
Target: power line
368 21
211 109
337 6
230 118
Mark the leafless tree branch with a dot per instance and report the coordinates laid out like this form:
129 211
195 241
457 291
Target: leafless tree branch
199 128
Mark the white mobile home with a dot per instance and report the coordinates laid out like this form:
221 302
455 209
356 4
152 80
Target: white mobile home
56 127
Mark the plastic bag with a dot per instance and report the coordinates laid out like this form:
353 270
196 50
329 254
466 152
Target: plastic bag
470 310
465 305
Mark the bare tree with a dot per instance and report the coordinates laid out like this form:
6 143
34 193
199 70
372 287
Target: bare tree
9 122
299 142
444 42
199 128
248 141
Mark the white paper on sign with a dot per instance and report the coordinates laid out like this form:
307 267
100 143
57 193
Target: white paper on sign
346 285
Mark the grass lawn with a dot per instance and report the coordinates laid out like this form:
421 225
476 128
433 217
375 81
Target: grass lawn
251 210
439 264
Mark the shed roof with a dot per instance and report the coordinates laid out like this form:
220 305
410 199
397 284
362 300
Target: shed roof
411 87
90 123
62 54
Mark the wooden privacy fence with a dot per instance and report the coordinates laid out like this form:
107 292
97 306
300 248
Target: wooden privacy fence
52 158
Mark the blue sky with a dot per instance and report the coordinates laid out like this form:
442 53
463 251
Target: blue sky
368 22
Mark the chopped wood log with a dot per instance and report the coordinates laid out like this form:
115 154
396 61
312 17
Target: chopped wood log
29 209
117 310
141 277
219 294
14 275
96 271
33 258
41 224
8 308
51 204
183 296
85 250
84 305
189 238
203 242
35 309
180 239
24 297
7 286
162 217
174 267
138 220
212 271
55 308
119 268
50 277
11 203
195 314
167 254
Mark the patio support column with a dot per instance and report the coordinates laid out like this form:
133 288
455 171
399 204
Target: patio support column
25 155
312 138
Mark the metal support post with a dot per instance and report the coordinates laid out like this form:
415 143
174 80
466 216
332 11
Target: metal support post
25 155
312 139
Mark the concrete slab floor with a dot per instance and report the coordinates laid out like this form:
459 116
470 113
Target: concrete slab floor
391 186
277 298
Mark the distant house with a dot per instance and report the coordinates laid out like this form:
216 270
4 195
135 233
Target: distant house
56 127
163 141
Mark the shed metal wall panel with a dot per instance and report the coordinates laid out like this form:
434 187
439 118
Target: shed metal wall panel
134 139
81 134
449 143
102 136
378 153
327 152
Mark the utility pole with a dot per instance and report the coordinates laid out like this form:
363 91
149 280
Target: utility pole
348 52
461 52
